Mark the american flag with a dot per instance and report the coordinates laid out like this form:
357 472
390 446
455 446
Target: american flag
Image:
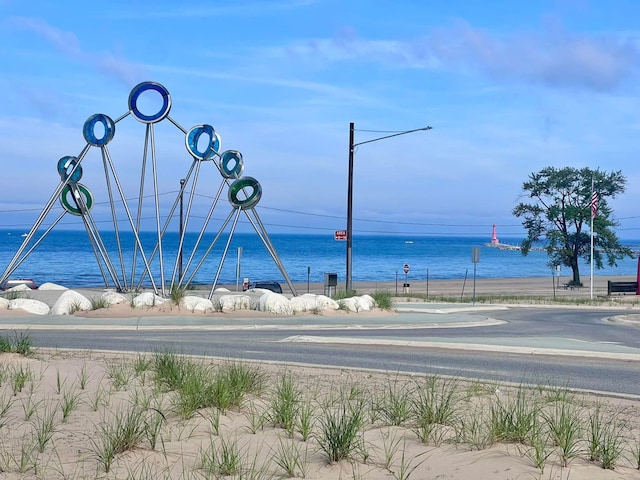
594 204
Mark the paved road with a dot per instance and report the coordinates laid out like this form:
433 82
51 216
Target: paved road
566 347
577 372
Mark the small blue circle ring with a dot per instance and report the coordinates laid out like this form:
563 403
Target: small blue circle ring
89 130
140 89
193 137
67 164
231 157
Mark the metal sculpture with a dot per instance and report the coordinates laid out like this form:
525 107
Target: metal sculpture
203 144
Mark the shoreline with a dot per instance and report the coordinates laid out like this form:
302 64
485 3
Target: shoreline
515 286
548 287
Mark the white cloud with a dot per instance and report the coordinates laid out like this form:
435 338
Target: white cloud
114 65
551 56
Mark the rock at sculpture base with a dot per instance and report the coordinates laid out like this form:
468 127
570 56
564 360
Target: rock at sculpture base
18 288
196 304
51 286
113 298
310 302
230 303
275 303
357 304
148 299
70 302
32 306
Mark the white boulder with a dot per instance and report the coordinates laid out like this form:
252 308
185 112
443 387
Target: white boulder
196 304
275 303
311 302
230 303
368 299
356 304
221 289
4 303
69 302
35 307
147 299
113 298
51 286
19 288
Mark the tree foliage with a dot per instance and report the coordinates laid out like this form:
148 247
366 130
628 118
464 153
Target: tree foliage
558 214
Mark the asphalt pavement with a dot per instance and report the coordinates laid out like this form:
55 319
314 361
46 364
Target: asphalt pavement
409 317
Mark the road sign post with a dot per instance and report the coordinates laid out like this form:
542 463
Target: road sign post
405 269
475 257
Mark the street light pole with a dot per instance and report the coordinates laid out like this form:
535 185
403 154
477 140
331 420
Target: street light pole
352 145
348 285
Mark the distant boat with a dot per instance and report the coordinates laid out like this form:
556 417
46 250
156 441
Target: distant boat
408 241
24 235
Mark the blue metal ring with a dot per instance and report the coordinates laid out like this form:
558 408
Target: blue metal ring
143 87
239 185
89 130
193 137
238 165
67 164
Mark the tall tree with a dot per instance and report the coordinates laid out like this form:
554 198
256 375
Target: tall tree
559 215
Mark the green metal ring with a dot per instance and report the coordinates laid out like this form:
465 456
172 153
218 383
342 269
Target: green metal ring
239 185
73 208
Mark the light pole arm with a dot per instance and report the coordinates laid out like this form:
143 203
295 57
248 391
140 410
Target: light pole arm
390 136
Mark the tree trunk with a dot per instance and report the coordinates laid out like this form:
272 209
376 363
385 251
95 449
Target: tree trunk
576 272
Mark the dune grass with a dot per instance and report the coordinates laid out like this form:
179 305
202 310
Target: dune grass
390 423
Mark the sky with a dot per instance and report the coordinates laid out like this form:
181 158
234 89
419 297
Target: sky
508 88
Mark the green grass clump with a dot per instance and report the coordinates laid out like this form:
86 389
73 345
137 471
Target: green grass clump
565 427
342 294
98 302
177 294
341 427
222 458
285 404
19 343
124 432
394 403
201 386
513 419
434 403
169 369
383 300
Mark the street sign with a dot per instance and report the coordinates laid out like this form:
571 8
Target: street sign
406 268
340 235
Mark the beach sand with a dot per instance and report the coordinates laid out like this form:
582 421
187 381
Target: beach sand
74 406
518 286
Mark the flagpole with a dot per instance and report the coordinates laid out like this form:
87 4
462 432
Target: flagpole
591 258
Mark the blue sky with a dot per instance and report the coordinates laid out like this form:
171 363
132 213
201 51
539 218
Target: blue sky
508 87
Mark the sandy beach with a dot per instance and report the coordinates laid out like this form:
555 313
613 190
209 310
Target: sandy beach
461 288
86 415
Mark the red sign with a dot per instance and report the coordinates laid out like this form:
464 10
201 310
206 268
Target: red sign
406 268
340 235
